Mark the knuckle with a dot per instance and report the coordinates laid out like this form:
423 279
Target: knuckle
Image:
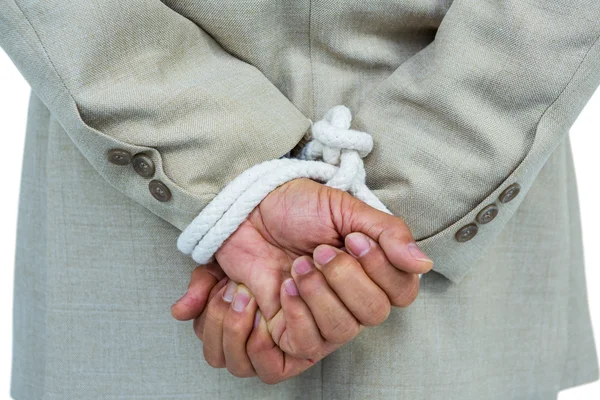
212 359
400 234
271 379
214 362
232 327
198 328
214 312
257 345
295 315
215 270
378 310
241 373
337 269
253 346
345 260
305 350
314 352
311 284
408 294
375 264
342 332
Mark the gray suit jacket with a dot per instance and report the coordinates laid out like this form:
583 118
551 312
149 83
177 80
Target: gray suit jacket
469 103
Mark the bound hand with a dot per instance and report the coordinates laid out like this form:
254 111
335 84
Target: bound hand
291 222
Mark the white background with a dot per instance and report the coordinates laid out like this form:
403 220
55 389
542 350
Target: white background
14 94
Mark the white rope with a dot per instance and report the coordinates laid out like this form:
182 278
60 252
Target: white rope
333 141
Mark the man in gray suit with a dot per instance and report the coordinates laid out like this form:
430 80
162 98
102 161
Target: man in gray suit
143 111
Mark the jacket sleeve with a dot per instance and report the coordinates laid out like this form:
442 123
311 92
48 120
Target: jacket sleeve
137 77
468 122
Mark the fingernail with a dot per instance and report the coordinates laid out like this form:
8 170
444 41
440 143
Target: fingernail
417 253
256 318
358 244
229 291
302 265
324 254
241 300
290 287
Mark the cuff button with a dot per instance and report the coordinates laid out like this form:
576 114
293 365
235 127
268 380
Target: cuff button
119 157
487 214
509 193
159 191
143 165
466 233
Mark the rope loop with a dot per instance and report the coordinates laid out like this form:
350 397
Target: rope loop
341 150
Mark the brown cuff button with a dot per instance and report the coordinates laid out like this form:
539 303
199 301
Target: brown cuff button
487 214
509 193
159 190
466 233
119 157
143 165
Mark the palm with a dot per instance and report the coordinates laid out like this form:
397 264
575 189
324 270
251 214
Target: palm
290 222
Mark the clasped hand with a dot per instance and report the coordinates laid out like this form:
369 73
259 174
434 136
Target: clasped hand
304 274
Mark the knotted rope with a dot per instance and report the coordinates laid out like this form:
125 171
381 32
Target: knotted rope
333 141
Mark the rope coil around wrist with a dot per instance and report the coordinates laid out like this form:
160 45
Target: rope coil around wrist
341 150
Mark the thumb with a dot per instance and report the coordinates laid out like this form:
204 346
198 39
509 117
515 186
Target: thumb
392 234
191 304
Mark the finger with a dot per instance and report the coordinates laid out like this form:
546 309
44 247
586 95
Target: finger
203 279
213 326
297 334
239 263
237 327
271 364
200 321
400 287
392 234
336 323
344 274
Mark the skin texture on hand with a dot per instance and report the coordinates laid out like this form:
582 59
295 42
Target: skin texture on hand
323 308
292 221
333 298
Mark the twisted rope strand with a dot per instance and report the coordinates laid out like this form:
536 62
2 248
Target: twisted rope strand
333 142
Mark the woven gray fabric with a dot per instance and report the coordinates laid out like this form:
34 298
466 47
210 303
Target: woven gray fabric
462 98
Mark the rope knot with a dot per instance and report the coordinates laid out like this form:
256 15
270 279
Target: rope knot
332 135
336 144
